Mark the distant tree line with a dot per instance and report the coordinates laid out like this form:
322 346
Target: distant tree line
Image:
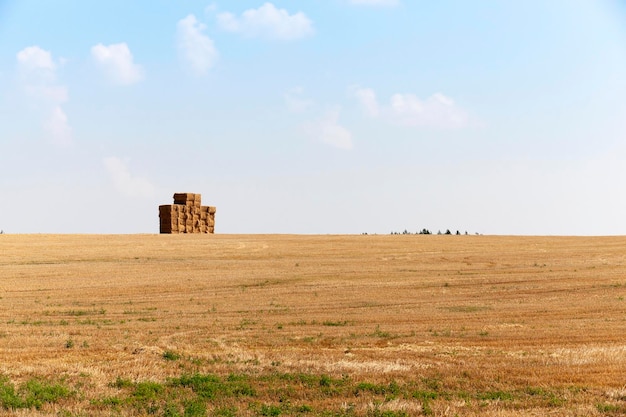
428 232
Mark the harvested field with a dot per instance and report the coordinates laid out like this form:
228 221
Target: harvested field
247 325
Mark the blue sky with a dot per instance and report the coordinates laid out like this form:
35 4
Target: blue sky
329 116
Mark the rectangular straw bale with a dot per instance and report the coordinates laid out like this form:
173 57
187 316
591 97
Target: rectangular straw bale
165 210
187 215
166 219
165 214
182 198
168 222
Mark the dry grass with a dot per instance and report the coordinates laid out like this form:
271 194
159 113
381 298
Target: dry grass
399 325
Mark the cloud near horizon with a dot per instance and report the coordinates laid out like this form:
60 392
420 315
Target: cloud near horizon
124 181
58 127
117 62
407 109
267 22
195 48
328 130
38 73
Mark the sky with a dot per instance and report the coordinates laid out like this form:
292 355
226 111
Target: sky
315 117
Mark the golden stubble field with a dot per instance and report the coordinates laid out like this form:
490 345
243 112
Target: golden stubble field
312 325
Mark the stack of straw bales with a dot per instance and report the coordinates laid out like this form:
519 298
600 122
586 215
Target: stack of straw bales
186 215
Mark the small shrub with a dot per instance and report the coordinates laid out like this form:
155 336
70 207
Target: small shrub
610 408
390 391
169 355
270 410
210 386
122 383
380 333
335 323
33 394
171 410
8 398
195 408
147 389
109 401
38 392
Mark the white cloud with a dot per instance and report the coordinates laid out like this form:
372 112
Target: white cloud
117 62
267 22
329 131
367 98
194 47
35 58
437 110
375 2
38 74
294 101
57 127
124 181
